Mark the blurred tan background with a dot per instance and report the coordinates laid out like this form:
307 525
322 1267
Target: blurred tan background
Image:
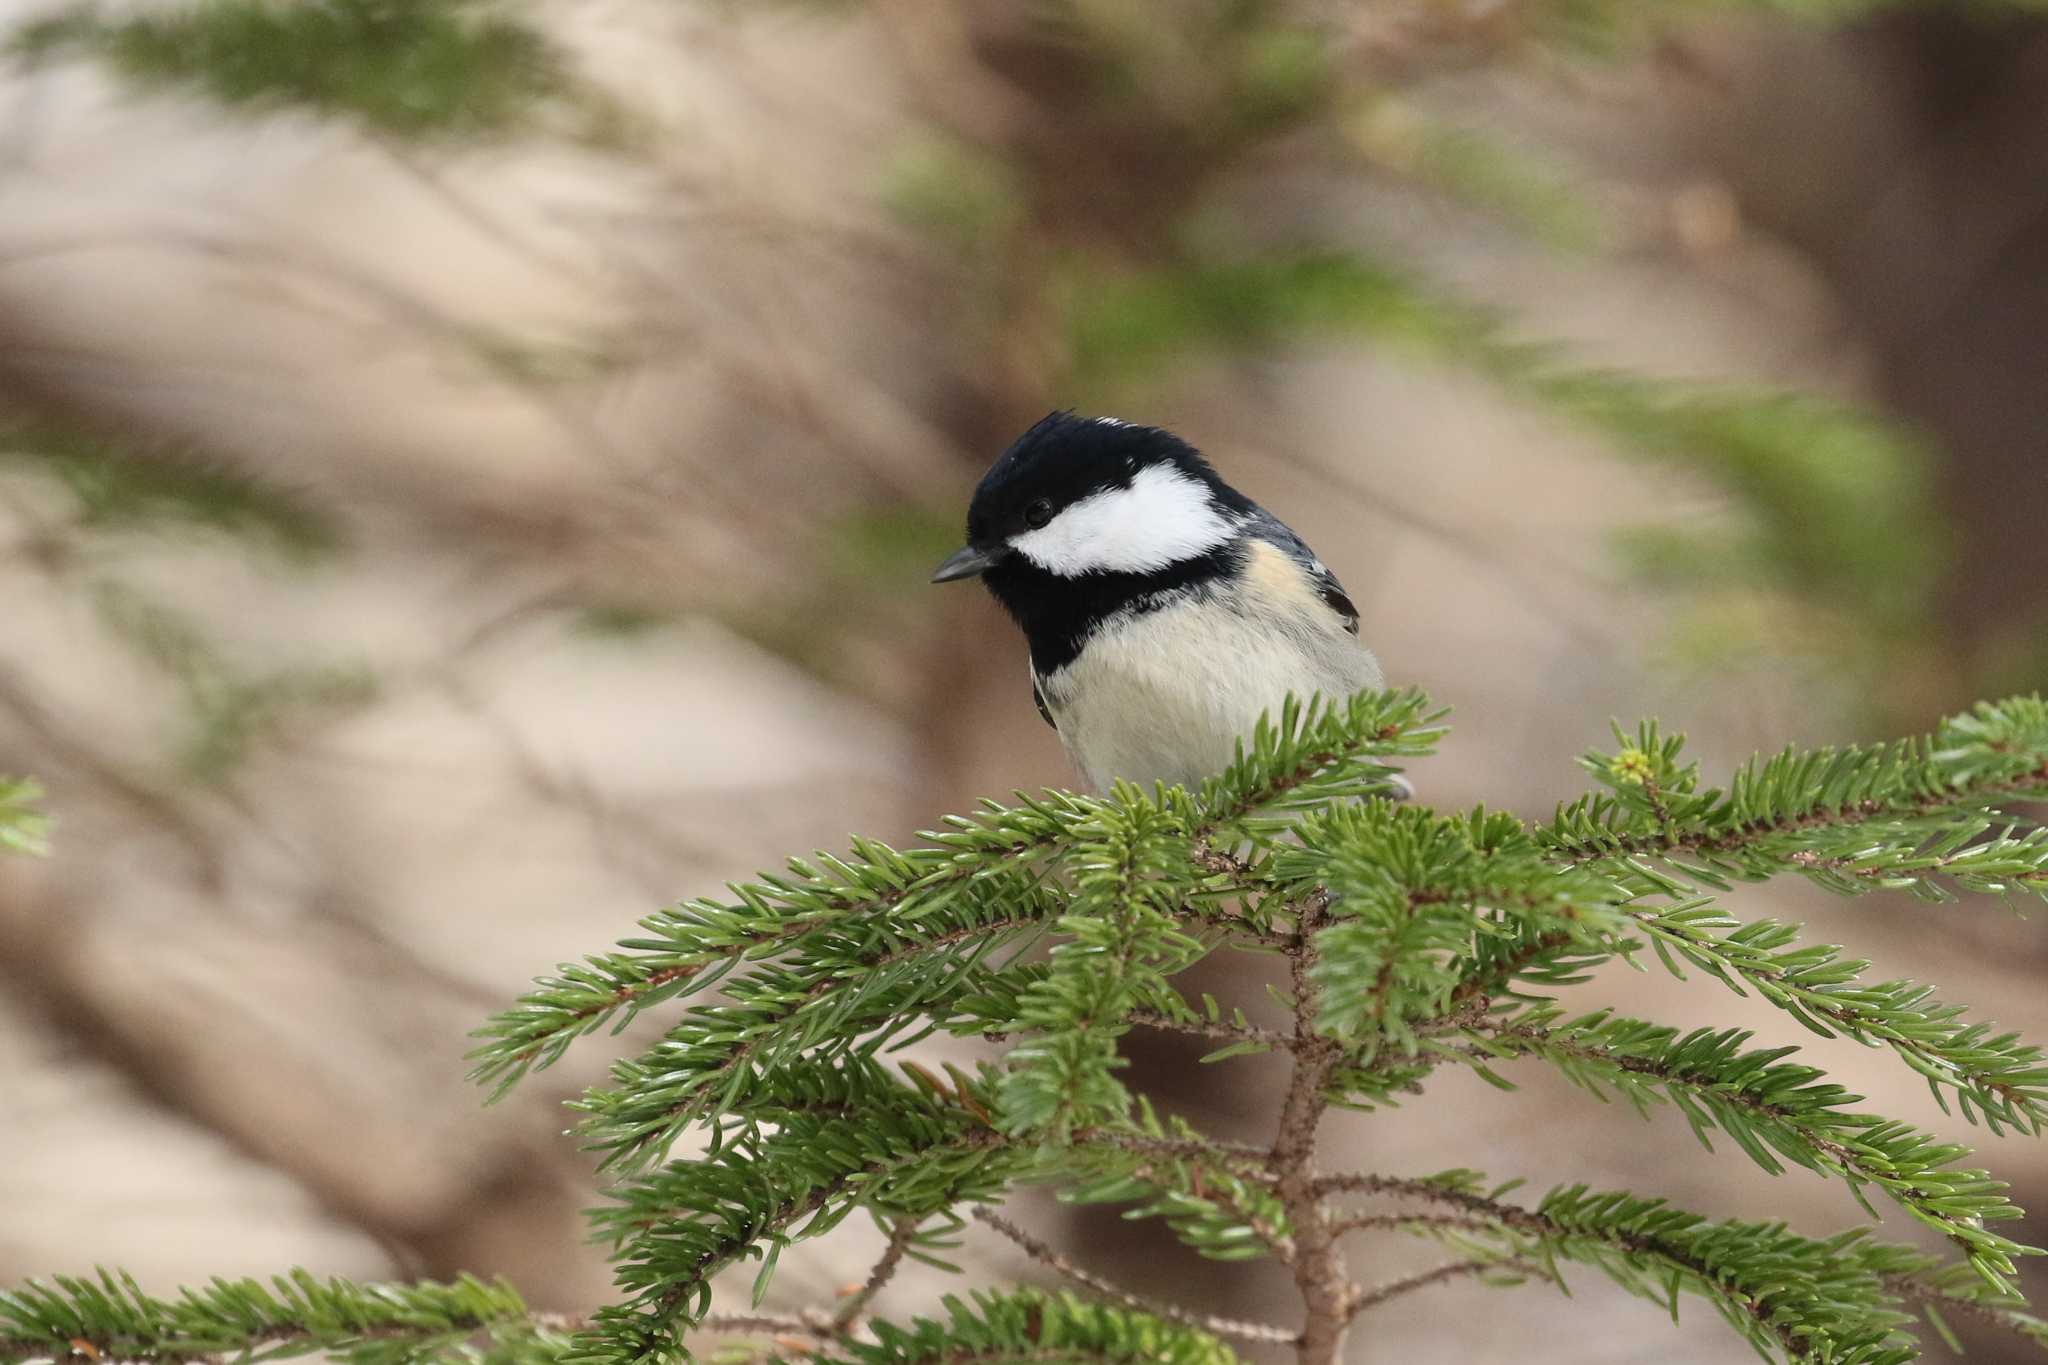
421 555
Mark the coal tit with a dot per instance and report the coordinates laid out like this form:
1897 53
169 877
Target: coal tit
1165 610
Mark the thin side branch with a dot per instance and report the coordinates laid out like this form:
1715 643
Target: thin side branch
1249 1163
1275 1241
1223 920
1394 1289
662 1312
789 1324
1925 1295
1538 1225
1203 1028
1880 876
1405 1222
1475 990
1493 1210
901 1233
1045 1255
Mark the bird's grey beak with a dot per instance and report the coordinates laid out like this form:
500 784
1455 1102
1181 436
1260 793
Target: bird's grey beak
969 561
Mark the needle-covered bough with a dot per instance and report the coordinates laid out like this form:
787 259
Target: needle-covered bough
1412 941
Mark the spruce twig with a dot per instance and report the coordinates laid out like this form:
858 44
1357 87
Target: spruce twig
1366 1300
902 1232
1045 1255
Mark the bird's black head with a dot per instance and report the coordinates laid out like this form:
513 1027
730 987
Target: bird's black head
1085 516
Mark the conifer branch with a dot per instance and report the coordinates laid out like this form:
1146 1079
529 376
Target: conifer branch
109 1317
1997 1076
2000 865
1315 751
1795 803
1412 940
1123 942
1758 833
1788 1295
1427 904
1218 1199
1477 989
712 1061
1771 1108
692 946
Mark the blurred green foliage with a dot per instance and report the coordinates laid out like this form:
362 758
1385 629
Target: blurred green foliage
1101 239
1612 28
227 709
1832 506
24 828
1477 168
863 577
890 544
964 197
1829 551
406 67
119 488
619 620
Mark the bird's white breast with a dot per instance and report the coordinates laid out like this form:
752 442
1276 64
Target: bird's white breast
1165 695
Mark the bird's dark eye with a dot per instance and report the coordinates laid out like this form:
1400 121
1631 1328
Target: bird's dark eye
1038 514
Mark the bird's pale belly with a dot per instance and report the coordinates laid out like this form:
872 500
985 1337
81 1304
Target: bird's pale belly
1167 695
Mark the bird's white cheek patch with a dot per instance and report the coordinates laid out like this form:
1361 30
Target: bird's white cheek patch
1162 518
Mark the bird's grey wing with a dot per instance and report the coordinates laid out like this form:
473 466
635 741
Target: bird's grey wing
1270 528
1038 697
1276 532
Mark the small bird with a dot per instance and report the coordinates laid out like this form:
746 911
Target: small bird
1165 610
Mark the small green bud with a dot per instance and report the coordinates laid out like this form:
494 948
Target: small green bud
1632 766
